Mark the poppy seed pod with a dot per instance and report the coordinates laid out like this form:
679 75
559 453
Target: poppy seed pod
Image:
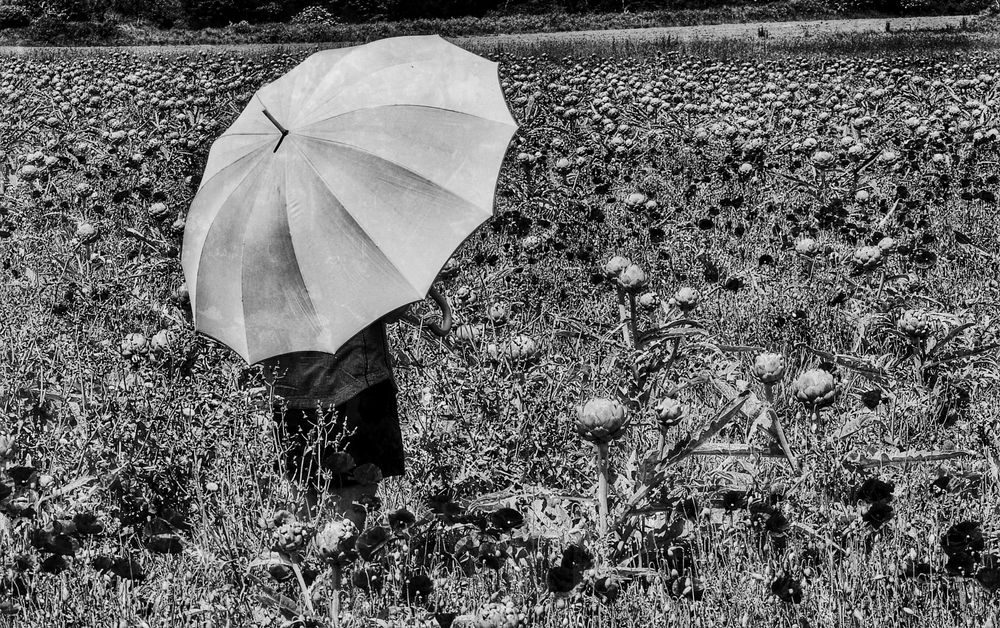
335 542
815 388
769 368
915 324
632 279
614 266
600 420
669 412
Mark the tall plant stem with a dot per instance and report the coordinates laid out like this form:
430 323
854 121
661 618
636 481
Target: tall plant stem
602 490
334 605
623 317
302 585
779 431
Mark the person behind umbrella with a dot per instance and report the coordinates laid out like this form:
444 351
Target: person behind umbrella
330 405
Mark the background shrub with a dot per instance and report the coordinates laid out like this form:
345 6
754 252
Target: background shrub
14 17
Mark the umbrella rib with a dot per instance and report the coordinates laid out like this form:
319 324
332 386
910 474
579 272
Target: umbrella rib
368 236
250 153
341 89
511 122
358 149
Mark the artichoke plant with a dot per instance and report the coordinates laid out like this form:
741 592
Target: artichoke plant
815 389
601 421
335 546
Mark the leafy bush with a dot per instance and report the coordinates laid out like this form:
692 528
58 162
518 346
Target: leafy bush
202 13
162 13
315 15
14 17
49 29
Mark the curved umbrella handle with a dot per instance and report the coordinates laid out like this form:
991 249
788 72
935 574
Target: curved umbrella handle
444 328
441 330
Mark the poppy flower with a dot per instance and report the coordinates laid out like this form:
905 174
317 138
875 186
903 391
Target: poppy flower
788 589
874 490
878 515
561 579
989 574
506 519
963 538
417 587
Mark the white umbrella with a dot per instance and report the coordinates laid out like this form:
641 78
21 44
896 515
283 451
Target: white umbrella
340 191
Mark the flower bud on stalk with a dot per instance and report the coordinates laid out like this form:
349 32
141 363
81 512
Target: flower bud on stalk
335 546
600 421
815 389
769 369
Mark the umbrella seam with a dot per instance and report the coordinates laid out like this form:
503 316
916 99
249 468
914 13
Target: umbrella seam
352 147
295 256
252 151
368 236
341 88
511 122
208 232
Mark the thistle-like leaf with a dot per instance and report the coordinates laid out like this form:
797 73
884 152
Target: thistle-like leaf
875 373
858 460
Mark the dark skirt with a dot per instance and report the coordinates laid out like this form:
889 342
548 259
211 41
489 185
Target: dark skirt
366 426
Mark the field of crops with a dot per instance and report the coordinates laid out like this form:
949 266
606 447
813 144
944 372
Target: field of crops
748 305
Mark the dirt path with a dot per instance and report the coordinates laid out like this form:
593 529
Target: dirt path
777 30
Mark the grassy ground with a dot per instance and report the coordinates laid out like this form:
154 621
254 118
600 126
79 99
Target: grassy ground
170 451
125 33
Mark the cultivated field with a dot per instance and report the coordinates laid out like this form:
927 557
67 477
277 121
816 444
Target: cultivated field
781 270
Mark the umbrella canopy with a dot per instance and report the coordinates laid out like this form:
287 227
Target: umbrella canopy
340 192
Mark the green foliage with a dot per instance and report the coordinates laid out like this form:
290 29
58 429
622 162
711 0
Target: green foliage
55 30
162 13
204 13
14 17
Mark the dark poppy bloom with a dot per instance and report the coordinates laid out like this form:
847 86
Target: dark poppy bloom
401 519
871 398
87 524
874 490
493 555
776 523
607 589
690 508
963 538
506 519
734 500
961 564
445 620
915 569
577 558
369 579
561 579
54 564
989 574
418 587
371 541
878 515
788 589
